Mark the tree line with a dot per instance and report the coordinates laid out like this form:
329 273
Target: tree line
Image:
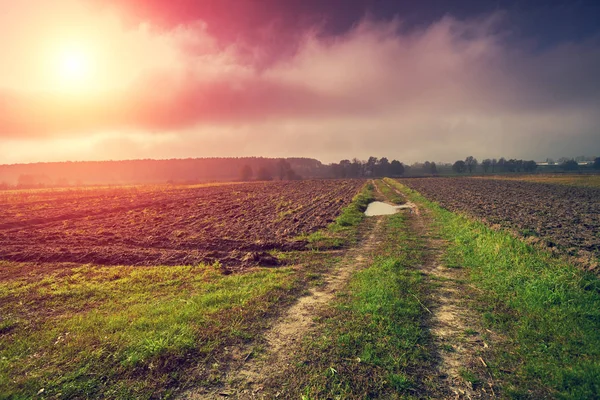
282 169
65 174
373 167
500 165
493 165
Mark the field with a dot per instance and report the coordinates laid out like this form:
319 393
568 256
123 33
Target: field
559 216
287 290
581 180
231 224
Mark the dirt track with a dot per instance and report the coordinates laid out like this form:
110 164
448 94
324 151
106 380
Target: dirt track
247 380
457 337
454 326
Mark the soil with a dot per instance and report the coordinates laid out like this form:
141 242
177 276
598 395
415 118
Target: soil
233 224
564 218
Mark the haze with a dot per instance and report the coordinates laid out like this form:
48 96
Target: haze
100 80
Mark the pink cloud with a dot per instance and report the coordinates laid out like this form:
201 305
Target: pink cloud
427 93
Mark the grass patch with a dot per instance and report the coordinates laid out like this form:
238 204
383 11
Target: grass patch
373 341
388 192
355 212
127 332
548 309
469 376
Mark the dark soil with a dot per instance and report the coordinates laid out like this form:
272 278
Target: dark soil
562 217
164 225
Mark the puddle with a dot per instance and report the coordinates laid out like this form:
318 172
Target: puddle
381 208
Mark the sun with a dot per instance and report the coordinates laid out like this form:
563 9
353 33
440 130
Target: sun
74 68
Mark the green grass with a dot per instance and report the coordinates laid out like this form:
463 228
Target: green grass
547 309
372 341
352 215
388 192
126 332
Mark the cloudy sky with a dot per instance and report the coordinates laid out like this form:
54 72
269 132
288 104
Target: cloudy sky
329 79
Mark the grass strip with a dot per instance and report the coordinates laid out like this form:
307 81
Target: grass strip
388 192
548 309
372 342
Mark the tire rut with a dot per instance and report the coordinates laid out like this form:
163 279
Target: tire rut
287 333
456 332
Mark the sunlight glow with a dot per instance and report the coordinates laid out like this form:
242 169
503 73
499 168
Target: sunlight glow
74 68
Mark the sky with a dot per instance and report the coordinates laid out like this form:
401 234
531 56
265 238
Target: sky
327 79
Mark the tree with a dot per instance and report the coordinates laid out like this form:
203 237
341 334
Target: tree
426 167
570 165
370 166
264 174
433 168
596 164
396 168
246 173
510 165
459 167
518 165
26 181
285 171
529 166
471 163
494 164
291 175
336 170
345 168
282 169
356 168
502 164
486 164
383 167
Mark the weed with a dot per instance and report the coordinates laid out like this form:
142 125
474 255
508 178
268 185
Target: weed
469 376
448 348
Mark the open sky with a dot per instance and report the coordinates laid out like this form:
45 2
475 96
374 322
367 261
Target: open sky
330 79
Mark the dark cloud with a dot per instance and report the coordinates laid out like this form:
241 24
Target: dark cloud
548 21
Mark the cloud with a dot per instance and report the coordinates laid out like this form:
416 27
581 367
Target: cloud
440 92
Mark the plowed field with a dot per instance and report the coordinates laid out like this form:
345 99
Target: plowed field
233 224
563 217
